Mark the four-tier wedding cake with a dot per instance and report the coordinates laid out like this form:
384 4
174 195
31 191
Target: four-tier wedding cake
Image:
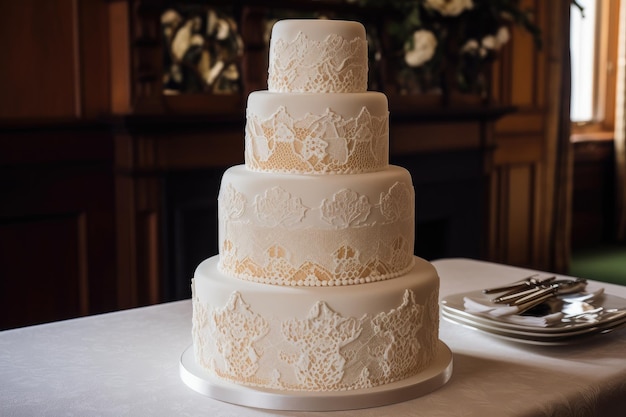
316 287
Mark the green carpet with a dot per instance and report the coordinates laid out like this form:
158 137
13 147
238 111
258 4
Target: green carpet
604 263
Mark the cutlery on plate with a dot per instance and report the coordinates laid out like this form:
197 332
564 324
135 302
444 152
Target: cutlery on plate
528 282
532 288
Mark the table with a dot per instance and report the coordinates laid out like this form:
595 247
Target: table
127 364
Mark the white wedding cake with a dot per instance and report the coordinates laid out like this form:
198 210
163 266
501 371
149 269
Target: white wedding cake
316 287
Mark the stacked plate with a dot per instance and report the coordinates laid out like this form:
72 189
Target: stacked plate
608 314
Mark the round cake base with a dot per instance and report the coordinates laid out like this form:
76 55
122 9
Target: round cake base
432 378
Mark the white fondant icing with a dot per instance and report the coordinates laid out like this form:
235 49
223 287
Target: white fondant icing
317 133
318 56
315 339
311 230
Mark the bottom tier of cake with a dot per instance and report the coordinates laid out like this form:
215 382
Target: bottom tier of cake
315 338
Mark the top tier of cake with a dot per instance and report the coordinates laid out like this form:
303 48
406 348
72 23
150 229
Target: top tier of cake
318 56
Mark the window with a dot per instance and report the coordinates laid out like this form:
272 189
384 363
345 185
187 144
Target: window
593 46
582 47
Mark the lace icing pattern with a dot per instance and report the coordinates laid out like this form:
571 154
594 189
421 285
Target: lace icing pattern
304 65
317 143
259 242
349 267
321 352
322 331
235 329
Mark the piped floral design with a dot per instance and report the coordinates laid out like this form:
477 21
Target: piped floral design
278 208
397 203
232 203
346 208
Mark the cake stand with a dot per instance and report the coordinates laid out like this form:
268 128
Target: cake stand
430 379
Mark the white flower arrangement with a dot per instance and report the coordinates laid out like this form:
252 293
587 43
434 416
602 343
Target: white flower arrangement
422 48
449 44
449 7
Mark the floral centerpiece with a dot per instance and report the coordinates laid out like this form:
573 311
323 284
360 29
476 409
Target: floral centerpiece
449 45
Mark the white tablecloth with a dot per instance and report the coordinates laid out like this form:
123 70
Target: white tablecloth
127 364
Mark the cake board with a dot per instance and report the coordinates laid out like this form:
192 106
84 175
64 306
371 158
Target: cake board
430 379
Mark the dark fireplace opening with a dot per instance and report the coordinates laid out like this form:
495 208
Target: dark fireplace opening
430 239
189 228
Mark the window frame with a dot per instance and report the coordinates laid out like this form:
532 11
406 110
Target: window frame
605 58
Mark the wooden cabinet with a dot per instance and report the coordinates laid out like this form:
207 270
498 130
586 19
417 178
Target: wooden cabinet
593 196
57 228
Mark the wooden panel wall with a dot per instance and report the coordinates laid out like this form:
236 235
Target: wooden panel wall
57 229
54 59
519 198
38 46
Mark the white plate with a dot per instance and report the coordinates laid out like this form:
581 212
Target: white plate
432 378
535 331
534 337
454 304
533 340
